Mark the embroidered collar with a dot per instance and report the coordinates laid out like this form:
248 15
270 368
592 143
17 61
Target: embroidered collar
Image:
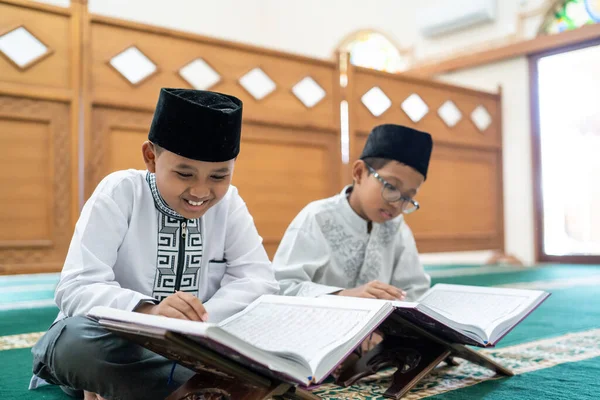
160 203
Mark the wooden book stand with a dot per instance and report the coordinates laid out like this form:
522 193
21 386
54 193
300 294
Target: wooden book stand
216 377
414 352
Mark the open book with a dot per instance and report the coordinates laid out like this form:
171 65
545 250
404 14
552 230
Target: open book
302 340
473 315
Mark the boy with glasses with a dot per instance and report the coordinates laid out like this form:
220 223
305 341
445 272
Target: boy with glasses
357 242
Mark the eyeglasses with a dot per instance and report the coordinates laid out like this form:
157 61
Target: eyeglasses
391 194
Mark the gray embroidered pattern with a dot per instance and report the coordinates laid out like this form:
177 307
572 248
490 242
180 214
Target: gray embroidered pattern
349 251
381 238
387 232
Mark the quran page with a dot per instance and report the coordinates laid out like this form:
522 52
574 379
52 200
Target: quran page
479 306
308 330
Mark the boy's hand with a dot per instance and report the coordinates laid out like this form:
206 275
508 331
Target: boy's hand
178 305
375 290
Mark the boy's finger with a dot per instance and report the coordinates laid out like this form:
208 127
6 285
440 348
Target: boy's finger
182 306
171 312
382 294
401 294
393 291
196 305
377 284
367 295
388 288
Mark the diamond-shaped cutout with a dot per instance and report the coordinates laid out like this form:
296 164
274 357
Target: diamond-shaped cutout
134 65
415 107
22 48
481 118
449 113
308 92
376 101
199 74
257 83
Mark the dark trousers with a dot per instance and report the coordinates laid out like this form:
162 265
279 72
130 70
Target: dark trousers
78 353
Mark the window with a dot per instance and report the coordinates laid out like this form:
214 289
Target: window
567 143
373 50
572 14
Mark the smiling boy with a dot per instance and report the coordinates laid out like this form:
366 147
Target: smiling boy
175 240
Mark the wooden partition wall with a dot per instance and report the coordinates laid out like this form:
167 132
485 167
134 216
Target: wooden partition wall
74 113
38 136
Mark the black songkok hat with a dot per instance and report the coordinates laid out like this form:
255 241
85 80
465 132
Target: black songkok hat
405 145
197 124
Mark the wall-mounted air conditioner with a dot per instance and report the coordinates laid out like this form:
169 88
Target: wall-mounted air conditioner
454 15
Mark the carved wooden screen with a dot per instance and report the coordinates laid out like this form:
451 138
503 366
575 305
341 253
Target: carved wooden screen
39 61
462 197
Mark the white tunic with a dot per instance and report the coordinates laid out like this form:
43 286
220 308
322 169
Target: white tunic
328 248
130 246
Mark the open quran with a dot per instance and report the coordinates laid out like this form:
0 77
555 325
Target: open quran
302 340
297 339
473 315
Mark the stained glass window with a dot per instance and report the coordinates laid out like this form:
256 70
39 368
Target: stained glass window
572 14
375 51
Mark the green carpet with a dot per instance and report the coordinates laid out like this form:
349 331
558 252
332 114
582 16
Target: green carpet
13 322
550 272
574 308
15 380
565 381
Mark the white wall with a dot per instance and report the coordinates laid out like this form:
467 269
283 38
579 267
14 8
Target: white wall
513 76
309 27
